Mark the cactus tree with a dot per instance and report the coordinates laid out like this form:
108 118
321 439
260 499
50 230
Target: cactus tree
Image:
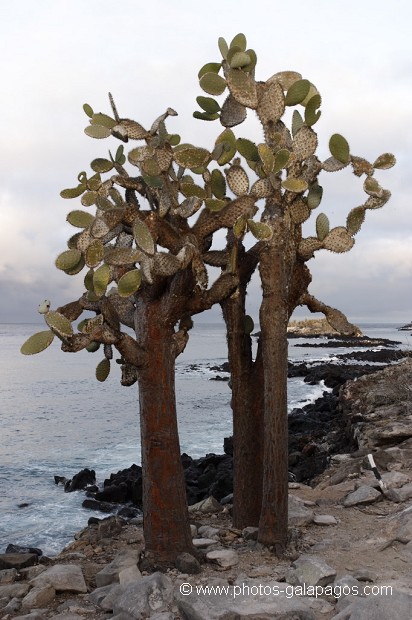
281 174
144 242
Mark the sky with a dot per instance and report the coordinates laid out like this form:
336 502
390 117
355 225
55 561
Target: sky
57 55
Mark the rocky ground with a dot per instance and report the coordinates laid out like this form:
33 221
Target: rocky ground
350 537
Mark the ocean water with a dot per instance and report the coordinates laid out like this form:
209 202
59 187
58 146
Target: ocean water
56 419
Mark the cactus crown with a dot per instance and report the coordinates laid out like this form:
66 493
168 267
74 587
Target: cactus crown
122 244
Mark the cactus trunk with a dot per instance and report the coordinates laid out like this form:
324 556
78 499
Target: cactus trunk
274 314
247 406
166 519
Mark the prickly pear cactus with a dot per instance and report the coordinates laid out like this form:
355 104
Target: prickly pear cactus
150 213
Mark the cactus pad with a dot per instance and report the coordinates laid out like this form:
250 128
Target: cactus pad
384 161
299 211
101 279
355 219
338 240
97 131
260 230
68 259
79 219
304 143
308 247
143 237
189 206
339 148
247 149
129 283
233 113
191 157
292 184
103 370
37 342
122 256
333 165
375 202
314 196
212 83
322 226
248 324
59 324
243 88
271 103
297 92
262 188
165 264
218 184
238 180
371 186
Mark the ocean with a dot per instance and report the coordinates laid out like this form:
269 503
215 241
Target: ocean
56 419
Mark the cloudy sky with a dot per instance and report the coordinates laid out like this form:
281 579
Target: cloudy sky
58 54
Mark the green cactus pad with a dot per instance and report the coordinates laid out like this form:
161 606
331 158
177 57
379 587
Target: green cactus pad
295 185
384 161
312 114
101 279
93 347
103 370
314 196
104 120
355 219
239 41
73 241
103 203
208 104
97 131
74 192
297 122
77 269
227 141
190 189
218 184
223 47
134 130
338 240
94 253
281 160
37 342
93 323
58 324
205 116
322 226
129 283
68 259
210 67
247 149
248 324
101 165
215 205
191 157
243 88
253 60
239 60
88 110
79 219
267 158
240 226
212 83
339 148
297 92
143 237
260 230
89 198
122 256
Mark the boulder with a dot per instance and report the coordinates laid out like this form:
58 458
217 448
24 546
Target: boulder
225 558
398 604
298 514
18 560
187 563
310 570
362 495
110 573
39 597
252 599
63 578
149 595
84 478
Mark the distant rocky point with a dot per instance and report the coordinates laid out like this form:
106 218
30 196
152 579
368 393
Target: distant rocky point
407 327
314 327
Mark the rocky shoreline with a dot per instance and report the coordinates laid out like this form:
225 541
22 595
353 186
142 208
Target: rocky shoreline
347 533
